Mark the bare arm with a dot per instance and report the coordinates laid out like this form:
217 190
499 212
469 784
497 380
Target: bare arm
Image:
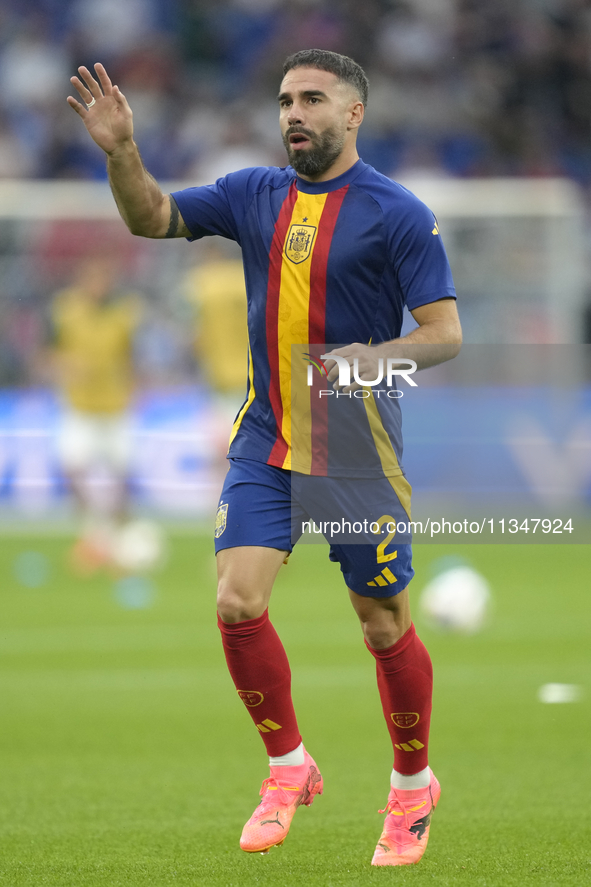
437 338
438 335
109 121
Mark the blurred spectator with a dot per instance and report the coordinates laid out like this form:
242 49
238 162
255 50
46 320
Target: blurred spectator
29 101
112 28
22 61
238 147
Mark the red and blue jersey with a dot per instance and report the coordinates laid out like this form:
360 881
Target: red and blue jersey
325 263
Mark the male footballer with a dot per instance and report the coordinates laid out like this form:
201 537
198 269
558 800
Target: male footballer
332 252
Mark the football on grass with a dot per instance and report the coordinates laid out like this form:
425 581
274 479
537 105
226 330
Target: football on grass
458 599
138 546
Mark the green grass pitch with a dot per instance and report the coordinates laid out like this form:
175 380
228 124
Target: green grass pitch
126 757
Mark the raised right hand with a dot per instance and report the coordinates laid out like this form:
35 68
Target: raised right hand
110 120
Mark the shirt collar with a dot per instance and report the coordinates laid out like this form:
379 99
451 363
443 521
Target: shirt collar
331 184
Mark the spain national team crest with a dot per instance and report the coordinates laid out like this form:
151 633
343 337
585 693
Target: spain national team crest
405 719
252 698
299 241
220 520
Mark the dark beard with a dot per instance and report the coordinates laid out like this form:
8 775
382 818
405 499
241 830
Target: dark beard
314 161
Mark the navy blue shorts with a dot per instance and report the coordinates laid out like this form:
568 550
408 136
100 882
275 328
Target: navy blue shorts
270 507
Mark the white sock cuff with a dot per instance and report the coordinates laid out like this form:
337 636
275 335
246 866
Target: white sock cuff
408 783
293 758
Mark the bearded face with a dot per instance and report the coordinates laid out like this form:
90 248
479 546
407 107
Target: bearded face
317 152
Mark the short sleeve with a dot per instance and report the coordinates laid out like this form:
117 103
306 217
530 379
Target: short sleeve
419 257
219 208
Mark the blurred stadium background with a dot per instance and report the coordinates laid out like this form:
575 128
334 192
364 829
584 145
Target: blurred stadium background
484 110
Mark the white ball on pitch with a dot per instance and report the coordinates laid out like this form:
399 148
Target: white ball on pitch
457 600
138 546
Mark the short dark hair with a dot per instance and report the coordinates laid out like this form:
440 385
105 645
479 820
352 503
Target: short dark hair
342 66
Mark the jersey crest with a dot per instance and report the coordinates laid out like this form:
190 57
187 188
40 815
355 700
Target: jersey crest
220 520
298 243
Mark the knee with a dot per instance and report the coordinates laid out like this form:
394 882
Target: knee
383 620
381 634
383 626
235 603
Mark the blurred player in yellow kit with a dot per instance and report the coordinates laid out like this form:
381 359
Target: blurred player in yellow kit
216 288
93 328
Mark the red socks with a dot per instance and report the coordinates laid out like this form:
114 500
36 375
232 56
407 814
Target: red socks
261 674
260 671
405 682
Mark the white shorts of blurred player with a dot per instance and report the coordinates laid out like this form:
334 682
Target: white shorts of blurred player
86 441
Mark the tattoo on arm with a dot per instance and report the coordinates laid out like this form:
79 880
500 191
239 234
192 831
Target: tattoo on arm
174 219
